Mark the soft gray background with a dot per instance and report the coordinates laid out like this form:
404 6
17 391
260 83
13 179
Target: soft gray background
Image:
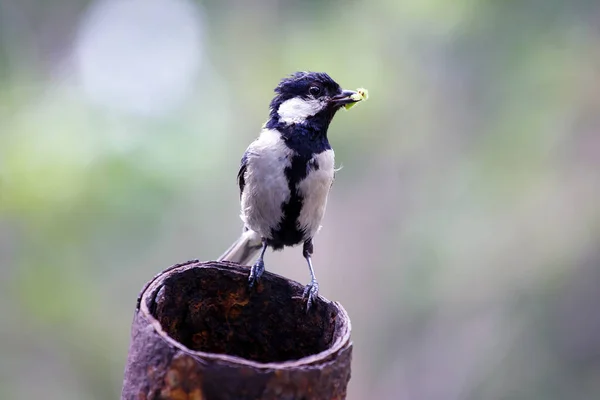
461 234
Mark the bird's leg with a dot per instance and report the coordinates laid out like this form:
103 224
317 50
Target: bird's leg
259 266
311 291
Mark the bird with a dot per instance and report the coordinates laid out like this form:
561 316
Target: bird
285 174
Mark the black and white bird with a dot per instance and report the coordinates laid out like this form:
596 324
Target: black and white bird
285 174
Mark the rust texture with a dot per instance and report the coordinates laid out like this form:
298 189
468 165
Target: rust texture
199 333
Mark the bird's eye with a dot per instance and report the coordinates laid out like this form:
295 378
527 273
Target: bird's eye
314 90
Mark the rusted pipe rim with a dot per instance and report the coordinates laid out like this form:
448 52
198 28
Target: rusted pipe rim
147 295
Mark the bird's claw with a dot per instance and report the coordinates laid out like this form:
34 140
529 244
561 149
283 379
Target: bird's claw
311 291
256 272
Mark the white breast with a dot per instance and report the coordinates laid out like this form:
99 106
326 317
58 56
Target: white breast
266 185
315 189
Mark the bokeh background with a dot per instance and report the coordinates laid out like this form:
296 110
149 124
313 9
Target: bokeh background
462 233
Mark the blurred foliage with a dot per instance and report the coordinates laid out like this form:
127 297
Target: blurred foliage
469 190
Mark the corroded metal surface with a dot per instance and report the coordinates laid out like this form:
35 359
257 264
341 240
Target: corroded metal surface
200 333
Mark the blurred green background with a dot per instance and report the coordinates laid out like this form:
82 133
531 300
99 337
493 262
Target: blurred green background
462 234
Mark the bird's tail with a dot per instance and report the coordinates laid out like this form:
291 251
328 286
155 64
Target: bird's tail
243 249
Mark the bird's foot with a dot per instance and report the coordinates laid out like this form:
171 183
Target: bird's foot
311 291
256 272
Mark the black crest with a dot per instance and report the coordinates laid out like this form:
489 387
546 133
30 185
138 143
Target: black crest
299 84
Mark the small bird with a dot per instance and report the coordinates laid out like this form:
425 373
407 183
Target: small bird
285 175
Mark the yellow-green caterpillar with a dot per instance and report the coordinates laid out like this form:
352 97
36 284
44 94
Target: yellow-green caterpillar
360 95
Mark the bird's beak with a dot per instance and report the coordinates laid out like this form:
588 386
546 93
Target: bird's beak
346 97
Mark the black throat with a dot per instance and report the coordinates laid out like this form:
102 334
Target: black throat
306 140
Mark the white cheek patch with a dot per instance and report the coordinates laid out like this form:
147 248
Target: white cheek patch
296 110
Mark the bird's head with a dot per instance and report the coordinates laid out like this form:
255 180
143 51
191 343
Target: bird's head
308 98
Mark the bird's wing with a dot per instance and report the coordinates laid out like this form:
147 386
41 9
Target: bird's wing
242 172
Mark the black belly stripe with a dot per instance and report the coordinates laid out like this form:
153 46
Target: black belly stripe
288 233
306 141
